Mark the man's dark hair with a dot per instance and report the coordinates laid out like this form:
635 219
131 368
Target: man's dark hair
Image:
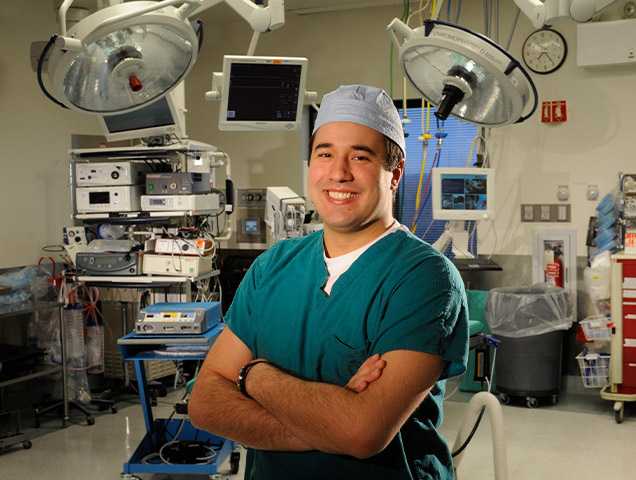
394 153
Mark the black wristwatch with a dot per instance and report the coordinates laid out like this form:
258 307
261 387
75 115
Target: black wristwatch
242 376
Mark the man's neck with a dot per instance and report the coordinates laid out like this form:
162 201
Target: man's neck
342 242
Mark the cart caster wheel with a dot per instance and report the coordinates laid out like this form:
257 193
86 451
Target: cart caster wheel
532 402
90 421
619 415
235 458
504 398
26 445
113 409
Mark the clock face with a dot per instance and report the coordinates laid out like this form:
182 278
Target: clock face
544 51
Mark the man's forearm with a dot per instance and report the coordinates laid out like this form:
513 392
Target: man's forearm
329 417
218 407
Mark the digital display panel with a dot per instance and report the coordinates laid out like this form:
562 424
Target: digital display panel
97 198
464 192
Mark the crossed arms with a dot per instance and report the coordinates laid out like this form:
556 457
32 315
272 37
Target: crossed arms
290 414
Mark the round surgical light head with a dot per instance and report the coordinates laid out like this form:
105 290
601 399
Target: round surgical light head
114 61
464 74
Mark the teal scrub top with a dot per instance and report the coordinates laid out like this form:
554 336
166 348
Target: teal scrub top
400 294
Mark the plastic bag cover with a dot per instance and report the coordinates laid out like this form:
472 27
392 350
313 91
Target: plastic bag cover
527 311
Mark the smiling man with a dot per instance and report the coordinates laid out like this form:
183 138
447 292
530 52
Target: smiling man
337 345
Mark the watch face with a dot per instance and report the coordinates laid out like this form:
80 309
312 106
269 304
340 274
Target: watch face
544 51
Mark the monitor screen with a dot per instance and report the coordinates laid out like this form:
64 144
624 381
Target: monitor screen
262 93
165 116
463 193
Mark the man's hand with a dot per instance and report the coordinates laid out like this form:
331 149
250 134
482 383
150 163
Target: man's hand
368 372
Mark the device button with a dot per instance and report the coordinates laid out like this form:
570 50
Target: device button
115 175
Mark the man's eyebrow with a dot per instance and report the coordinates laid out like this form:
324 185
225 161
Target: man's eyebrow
362 148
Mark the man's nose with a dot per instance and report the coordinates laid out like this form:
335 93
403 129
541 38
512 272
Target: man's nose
340 169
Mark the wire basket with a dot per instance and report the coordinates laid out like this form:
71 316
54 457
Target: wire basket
594 369
595 327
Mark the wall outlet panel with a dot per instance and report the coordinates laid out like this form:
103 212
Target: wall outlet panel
546 213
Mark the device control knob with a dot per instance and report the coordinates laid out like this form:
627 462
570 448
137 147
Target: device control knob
173 186
257 197
250 197
114 175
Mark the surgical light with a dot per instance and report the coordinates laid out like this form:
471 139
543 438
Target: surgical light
131 54
464 74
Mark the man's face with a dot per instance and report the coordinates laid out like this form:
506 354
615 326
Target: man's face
347 180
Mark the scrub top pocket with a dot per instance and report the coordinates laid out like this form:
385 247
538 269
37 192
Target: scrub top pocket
342 360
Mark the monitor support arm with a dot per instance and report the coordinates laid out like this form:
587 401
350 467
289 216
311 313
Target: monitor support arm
454 232
546 13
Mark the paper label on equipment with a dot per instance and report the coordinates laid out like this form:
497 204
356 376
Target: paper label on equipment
629 282
630 342
629 293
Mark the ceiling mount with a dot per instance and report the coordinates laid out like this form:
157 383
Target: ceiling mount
464 74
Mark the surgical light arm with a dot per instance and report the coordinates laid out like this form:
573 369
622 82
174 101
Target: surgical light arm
261 19
546 13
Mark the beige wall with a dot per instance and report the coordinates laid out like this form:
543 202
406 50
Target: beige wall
531 159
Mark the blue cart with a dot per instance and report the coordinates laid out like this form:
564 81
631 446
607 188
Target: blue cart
147 458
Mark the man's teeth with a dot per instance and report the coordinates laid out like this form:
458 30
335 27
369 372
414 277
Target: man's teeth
341 195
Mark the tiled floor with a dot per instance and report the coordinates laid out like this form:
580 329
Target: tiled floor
576 439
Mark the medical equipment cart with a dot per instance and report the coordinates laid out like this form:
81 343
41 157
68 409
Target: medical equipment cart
622 386
139 348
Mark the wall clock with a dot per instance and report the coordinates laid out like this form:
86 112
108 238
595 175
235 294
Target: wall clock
544 51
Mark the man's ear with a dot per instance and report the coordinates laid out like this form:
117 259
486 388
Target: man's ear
398 171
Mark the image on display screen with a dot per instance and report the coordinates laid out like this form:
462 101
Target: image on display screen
263 92
464 192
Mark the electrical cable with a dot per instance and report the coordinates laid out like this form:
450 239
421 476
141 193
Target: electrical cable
39 72
472 433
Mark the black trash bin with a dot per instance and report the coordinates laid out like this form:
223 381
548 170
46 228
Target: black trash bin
529 322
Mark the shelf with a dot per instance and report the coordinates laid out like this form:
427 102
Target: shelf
168 347
129 218
142 150
144 280
29 306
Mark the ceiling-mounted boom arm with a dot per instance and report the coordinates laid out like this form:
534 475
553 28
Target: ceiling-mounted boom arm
547 12
262 19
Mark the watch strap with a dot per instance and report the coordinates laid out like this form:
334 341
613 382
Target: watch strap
242 376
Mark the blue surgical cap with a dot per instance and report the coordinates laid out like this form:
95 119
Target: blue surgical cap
368 106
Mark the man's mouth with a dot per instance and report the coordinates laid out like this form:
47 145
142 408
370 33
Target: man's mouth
341 195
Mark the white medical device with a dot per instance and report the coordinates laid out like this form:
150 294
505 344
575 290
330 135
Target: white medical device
545 13
284 213
260 93
166 116
176 265
108 198
110 173
459 195
172 203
